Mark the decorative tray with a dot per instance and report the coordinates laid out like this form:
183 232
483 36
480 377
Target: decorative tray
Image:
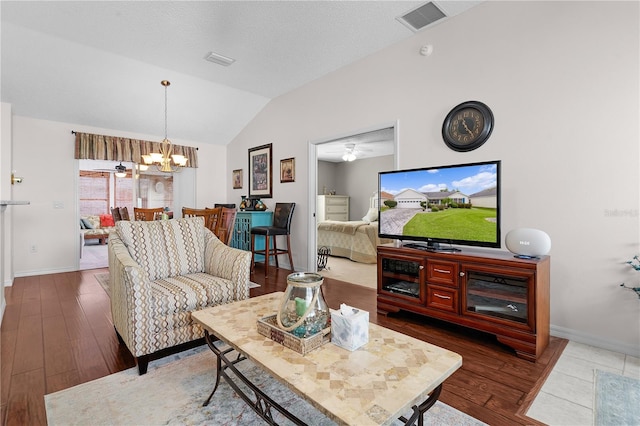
268 327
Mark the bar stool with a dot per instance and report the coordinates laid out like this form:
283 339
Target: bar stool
281 226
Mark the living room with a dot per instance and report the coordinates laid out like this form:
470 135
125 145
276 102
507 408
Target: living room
560 77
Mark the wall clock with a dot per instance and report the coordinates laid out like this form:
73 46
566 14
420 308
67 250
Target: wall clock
467 126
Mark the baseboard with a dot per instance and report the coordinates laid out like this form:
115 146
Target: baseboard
591 340
45 272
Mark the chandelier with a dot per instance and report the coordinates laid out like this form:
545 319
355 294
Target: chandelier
164 160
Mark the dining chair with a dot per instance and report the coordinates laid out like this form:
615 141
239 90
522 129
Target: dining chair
147 214
226 224
211 216
115 214
124 213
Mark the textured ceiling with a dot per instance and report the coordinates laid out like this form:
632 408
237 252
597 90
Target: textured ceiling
100 63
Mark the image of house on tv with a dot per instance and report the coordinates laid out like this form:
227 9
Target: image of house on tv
412 199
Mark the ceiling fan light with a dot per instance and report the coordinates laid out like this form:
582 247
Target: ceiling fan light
350 156
121 174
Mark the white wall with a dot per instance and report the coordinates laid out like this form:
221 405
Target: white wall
562 81
358 179
43 153
6 276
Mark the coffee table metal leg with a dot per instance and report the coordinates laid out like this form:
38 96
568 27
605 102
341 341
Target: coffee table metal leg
419 410
263 405
210 341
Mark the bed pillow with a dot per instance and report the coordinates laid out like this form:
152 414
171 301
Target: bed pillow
371 216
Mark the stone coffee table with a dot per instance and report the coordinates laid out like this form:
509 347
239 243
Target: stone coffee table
374 385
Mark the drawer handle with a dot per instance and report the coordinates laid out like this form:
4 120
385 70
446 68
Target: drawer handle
441 296
444 271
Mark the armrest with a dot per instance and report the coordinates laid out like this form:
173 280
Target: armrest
230 263
131 305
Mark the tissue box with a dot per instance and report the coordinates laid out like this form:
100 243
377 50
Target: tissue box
349 332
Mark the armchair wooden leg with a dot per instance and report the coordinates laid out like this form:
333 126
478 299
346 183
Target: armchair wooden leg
143 363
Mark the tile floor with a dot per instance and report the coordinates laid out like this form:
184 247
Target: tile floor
94 255
567 396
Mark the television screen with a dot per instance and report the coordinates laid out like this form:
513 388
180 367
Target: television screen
454 204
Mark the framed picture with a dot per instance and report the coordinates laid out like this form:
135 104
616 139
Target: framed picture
237 179
288 170
260 172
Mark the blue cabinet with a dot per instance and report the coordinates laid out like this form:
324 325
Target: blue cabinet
242 230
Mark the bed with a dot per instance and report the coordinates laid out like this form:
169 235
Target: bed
355 240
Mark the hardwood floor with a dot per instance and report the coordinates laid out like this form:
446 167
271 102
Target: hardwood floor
57 333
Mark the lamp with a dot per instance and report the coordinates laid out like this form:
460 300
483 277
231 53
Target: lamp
349 154
164 160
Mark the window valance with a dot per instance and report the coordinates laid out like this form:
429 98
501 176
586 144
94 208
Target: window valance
113 148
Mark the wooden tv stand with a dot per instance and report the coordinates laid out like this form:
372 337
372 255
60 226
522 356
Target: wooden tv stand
492 292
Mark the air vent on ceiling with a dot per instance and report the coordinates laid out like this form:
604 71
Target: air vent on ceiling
219 59
424 15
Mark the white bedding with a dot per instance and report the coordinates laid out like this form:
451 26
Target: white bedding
355 240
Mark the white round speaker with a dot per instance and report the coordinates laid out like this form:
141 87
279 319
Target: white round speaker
528 242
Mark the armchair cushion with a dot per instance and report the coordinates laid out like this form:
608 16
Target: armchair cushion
165 248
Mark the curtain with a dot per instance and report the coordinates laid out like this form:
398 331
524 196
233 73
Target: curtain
102 147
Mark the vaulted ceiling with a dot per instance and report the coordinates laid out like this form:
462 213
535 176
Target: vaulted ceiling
100 63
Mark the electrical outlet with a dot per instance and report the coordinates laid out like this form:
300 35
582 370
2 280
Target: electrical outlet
33 248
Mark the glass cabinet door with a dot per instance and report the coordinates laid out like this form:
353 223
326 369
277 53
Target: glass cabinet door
499 296
403 278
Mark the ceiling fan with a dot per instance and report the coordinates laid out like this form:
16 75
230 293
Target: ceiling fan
349 151
120 170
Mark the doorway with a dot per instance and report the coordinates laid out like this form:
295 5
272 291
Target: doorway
99 189
365 144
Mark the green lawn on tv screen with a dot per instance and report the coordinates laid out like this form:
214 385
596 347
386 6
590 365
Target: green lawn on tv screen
475 224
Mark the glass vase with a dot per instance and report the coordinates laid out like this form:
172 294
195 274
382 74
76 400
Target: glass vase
303 311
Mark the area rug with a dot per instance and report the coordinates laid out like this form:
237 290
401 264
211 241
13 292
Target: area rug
173 390
103 280
617 399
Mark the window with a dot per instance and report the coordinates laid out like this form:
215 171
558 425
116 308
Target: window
94 192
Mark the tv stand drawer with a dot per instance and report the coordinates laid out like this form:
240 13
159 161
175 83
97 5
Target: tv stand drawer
444 299
443 273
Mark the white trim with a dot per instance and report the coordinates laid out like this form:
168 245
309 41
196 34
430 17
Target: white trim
591 340
312 264
45 272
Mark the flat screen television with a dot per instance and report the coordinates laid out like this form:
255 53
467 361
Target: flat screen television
436 208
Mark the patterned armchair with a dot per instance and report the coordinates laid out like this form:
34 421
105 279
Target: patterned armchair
161 271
